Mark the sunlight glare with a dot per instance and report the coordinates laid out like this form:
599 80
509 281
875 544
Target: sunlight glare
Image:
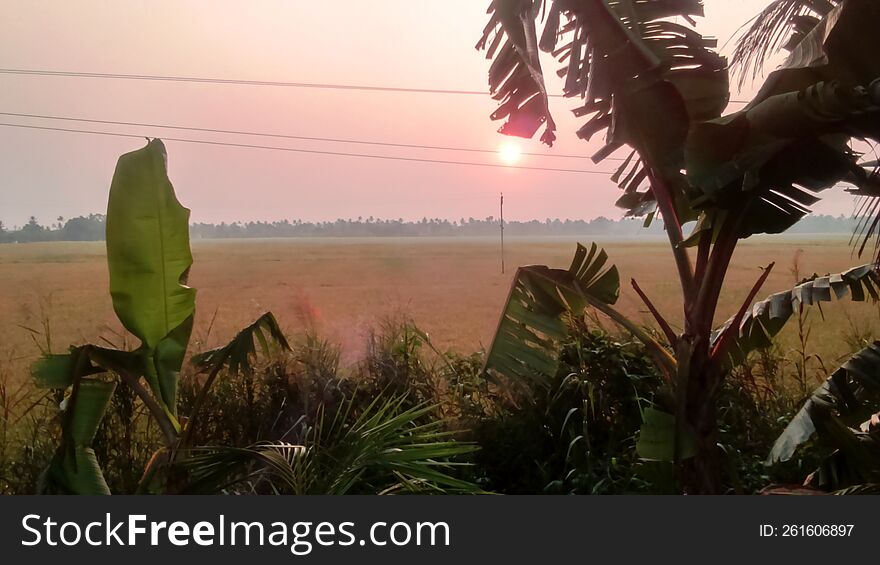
509 153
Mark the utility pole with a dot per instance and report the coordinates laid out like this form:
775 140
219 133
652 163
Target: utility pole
502 233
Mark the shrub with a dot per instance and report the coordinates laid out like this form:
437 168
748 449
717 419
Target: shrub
578 434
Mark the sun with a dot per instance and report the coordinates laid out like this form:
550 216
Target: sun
509 153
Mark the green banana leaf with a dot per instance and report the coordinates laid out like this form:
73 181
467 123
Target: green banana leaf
87 407
82 373
847 394
74 469
58 371
532 325
238 353
149 258
767 317
657 438
833 415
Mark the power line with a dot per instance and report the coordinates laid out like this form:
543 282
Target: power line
309 151
209 80
286 136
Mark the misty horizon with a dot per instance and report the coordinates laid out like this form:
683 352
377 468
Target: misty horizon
92 228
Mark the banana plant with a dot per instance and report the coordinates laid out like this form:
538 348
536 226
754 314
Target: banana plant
149 258
643 74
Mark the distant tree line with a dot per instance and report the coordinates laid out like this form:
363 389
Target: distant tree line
81 228
372 227
91 228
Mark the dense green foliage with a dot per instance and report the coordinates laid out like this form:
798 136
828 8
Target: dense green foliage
577 435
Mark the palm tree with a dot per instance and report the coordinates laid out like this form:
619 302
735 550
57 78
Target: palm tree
644 76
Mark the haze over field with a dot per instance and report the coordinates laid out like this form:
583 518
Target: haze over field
343 288
50 173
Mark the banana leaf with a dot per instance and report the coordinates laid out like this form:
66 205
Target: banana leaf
792 141
237 356
767 317
783 24
515 77
643 76
657 438
532 325
846 395
833 414
81 470
264 332
87 374
74 468
149 258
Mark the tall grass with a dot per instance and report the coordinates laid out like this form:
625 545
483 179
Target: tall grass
301 418
27 433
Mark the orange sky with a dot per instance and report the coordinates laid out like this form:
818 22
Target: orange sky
409 43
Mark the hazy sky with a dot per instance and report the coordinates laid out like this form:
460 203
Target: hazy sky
406 43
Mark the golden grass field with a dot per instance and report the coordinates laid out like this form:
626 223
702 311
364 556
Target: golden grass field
452 288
